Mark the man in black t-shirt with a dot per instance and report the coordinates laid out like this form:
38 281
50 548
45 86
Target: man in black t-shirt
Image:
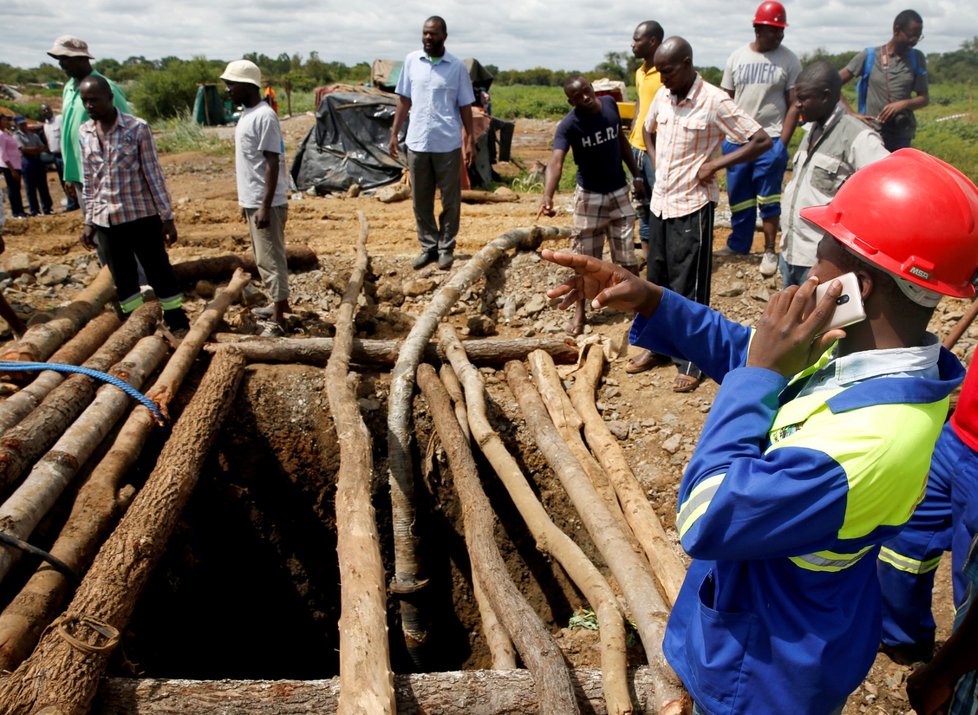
592 131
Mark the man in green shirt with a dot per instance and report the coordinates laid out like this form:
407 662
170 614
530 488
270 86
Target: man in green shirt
75 60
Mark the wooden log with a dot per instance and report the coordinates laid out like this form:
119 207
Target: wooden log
75 351
639 514
549 538
219 267
16 323
366 678
62 674
569 423
962 325
473 196
21 445
500 644
469 692
408 568
646 606
316 351
40 341
21 513
101 500
533 641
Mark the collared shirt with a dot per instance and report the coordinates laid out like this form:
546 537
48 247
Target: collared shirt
919 361
437 90
10 157
647 83
844 146
52 134
73 116
688 132
123 177
26 140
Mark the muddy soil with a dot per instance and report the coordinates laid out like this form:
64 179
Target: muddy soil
274 454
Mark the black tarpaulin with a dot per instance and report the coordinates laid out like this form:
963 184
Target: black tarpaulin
348 144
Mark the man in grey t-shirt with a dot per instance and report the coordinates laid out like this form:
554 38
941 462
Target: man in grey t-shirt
760 77
897 72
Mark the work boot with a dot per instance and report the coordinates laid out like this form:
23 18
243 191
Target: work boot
423 259
445 261
909 653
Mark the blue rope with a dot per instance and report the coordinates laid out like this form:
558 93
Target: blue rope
103 376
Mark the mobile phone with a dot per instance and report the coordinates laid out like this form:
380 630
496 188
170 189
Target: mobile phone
849 304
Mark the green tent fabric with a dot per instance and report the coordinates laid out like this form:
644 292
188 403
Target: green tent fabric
209 106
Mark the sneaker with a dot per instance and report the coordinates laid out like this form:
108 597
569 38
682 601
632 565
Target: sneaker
769 264
270 329
725 251
263 311
423 259
445 261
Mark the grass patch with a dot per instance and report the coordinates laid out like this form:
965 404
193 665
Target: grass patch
182 134
520 101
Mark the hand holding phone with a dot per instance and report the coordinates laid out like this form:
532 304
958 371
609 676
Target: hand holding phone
848 306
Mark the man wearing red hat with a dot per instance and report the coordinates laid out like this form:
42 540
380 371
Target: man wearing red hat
760 76
818 443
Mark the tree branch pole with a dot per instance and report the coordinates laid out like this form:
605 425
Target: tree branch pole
16 323
77 350
316 351
62 675
961 326
217 267
409 578
31 501
366 678
100 501
500 644
469 692
549 538
536 646
40 341
21 445
639 514
638 587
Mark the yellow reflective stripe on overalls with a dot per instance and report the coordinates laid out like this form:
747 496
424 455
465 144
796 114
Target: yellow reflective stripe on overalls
172 302
765 200
907 564
130 304
697 504
749 203
829 560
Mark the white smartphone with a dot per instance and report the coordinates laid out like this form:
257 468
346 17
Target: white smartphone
849 304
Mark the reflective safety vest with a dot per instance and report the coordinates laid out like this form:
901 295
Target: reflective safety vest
783 507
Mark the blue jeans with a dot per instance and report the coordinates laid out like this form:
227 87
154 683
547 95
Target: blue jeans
648 173
791 275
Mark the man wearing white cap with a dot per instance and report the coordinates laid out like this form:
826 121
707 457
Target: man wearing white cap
75 60
259 163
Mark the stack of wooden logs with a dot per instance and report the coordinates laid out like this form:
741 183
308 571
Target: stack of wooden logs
57 649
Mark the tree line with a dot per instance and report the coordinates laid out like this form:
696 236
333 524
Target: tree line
166 87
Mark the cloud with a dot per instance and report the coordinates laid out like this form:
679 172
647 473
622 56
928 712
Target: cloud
513 34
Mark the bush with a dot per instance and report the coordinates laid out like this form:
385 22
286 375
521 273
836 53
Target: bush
161 94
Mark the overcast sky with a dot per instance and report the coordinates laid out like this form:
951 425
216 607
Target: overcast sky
512 34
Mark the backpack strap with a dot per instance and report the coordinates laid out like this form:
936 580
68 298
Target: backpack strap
862 86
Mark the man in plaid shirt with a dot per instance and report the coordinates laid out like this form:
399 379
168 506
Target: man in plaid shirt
602 207
126 202
686 122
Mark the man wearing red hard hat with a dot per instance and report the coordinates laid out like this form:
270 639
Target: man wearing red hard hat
817 446
760 77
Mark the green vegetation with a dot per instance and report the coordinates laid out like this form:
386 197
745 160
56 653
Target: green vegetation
182 133
171 91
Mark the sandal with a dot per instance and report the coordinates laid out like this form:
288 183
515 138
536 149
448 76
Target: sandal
646 360
573 329
686 383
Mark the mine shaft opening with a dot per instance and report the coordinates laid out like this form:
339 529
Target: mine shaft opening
249 587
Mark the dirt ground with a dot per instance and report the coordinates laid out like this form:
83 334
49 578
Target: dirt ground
658 427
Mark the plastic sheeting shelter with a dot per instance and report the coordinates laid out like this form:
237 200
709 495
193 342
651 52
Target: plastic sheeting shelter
209 107
348 144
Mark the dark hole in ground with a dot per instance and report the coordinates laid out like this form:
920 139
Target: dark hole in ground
249 586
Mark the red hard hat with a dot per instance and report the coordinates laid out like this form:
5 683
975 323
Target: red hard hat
771 13
913 216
